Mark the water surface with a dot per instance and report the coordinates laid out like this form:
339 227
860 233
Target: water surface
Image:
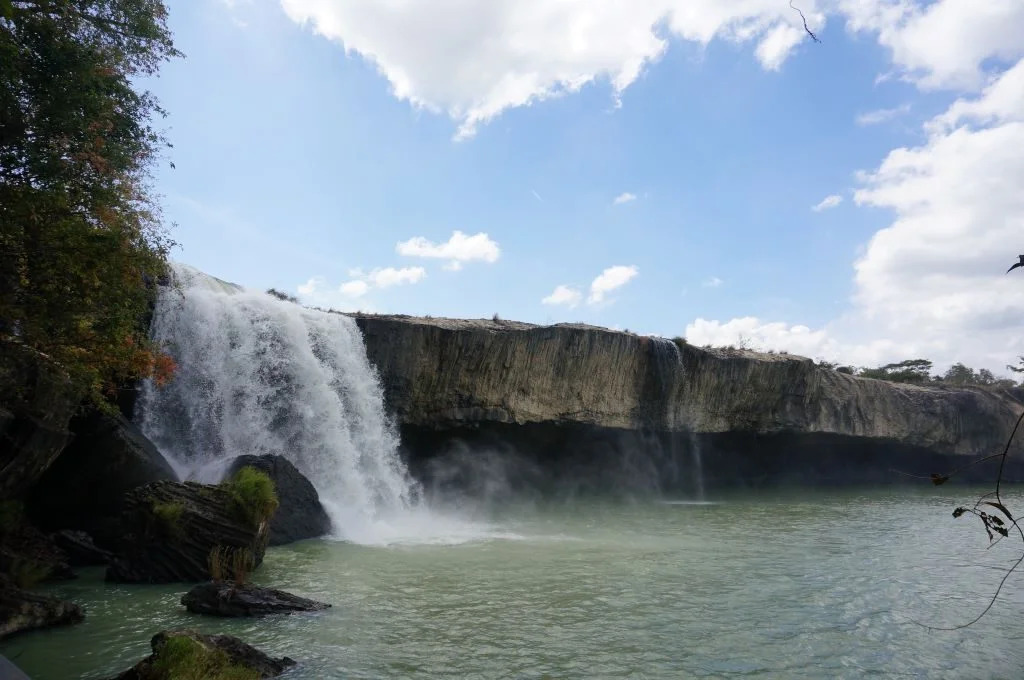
807 585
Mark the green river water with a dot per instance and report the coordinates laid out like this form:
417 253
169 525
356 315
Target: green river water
808 584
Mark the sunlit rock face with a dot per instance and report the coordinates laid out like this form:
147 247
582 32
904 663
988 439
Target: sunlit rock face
757 416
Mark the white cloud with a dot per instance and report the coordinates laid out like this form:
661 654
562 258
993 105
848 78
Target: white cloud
882 115
457 249
310 286
932 283
608 280
385 278
563 295
828 202
713 282
354 289
920 37
624 197
473 59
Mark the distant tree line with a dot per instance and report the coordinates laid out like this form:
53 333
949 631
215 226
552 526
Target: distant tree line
919 371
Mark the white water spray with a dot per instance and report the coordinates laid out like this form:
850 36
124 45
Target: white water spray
258 375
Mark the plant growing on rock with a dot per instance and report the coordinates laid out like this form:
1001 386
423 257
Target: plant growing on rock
168 517
183 658
231 563
253 494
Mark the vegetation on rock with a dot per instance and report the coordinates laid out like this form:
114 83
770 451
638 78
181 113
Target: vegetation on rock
253 494
80 230
184 658
168 517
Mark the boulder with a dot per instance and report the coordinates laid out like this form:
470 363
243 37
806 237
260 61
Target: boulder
22 610
300 514
37 400
171 530
28 555
228 599
80 549
85 487
186 653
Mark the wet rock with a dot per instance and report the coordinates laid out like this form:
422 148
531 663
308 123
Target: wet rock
85 487
22 610
30 556
300 514
186 653
171 529
228 599
80 548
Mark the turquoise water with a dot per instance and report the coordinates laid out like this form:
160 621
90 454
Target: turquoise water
808 585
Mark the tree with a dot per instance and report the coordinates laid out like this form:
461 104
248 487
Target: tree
79 228
908 371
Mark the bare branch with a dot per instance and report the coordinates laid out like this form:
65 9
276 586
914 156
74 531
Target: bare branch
804 19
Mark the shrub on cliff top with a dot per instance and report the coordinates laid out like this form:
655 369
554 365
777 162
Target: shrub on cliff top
253 494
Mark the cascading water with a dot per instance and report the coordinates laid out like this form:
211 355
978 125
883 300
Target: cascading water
258 375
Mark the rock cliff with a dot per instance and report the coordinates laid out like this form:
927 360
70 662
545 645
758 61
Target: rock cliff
455 375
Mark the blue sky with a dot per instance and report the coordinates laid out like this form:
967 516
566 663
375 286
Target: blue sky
311 138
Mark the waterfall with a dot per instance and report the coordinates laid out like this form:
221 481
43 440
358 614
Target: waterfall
698 466
258 375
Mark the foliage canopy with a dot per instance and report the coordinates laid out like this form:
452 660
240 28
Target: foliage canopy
80 230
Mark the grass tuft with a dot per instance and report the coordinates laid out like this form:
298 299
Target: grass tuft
254 496
182 658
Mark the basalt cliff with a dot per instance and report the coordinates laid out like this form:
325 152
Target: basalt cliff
578 398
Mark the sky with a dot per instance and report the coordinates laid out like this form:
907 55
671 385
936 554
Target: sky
696 168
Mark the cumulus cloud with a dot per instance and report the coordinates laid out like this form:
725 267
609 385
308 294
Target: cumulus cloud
354 289
610 279
389 276
828 202
309 287
457 250
713 282
624 197
563 295
932 283
473 60
882 115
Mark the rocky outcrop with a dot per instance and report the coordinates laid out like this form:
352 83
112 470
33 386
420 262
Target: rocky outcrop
37 401
22 610
29 555
85 486
186 653
300 514
171 530
469 377
80 548
228 599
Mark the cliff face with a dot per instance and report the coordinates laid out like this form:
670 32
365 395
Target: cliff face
450 374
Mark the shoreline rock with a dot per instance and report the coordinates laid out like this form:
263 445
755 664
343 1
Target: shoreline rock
171 529
22 610
230 600
207 656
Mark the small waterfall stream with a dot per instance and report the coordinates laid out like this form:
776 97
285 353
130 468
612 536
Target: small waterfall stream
258 375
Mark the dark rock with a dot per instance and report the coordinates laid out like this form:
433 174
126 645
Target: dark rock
22 610
37 401
85 487
30 554
300 514
80 549
227 599
171 530
214 653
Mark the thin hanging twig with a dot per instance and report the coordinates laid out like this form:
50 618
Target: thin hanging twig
804 19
